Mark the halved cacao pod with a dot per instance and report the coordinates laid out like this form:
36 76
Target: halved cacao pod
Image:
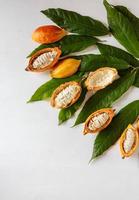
129 141
101 78
66 94
44 60
48 34
98 120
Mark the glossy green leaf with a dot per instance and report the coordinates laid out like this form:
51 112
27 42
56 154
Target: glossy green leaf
45 91
122 29
67 113
118 53
69 44
132 18
105 97
136 83
112 133
91 62
76 23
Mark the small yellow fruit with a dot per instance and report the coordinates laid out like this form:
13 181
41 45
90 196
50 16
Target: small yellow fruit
66 68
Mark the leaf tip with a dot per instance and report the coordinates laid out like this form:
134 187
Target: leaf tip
42 11
28 56
29 101
91 160
60 122
75 124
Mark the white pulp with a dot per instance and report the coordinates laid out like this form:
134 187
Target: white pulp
129 140
65 96
102 78
44 59
98 121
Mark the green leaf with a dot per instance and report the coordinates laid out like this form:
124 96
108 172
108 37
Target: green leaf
136 83
69 44
105 97
76 23
132 18
91 62
122 29
45 91
67 113
118 53
112 133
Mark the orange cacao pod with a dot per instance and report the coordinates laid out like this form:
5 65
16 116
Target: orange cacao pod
66 94
48 34
44 60
98 120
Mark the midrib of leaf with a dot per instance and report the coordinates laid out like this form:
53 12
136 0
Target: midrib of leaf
70 20
127 38
76 23
88 40
67 42
120 16
118 53
95 61
131 17
80 23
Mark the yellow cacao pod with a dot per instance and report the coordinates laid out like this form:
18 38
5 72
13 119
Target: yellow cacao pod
129 141
66 68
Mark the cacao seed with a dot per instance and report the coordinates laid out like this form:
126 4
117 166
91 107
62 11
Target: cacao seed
129 141
66 94
98 120
44 60
101 78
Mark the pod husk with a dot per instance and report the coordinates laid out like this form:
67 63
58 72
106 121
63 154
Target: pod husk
91 74
47 67
122 139
111 113
62 87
